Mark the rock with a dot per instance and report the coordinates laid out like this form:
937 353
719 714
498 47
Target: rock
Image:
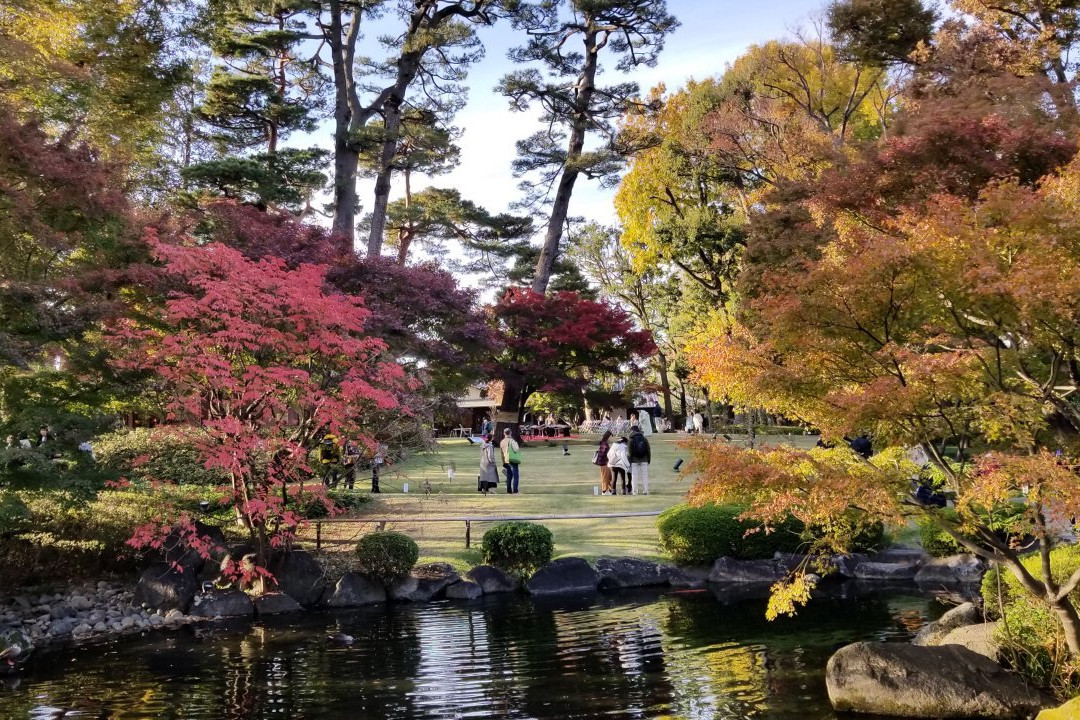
845 564
61 610
492 580
100 627
930 682
686 578
80 602
276 604
299 576
22 601
871 570
424 583
127 622
977 638
82 630
221 603
952 570
354 590
901 554
161 587
63 626
1068 711
629 573
464 590
174 615
565 575
961 615
730 570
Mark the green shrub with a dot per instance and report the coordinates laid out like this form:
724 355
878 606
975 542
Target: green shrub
936 541
519 548
386 556
698 535
1031 636
939 543
311 506
155 454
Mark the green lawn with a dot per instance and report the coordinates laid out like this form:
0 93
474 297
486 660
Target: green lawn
551 484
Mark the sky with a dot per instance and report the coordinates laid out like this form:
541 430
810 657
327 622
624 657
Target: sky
712 33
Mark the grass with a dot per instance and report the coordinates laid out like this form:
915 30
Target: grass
551 484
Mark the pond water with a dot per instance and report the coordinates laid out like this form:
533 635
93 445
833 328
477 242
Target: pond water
693 655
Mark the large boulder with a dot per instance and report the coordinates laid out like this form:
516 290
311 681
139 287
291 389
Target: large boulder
927 682
354 590
565 575
952 570
961 615
901 554
276 604
222 603
686 578
845 565
175 550
424 583
464 590
978 638
887 571
629 573
163 586
730 570
492 580
299 576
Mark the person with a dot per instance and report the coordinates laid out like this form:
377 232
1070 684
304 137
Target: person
601 459
350 460
377 461
330 458
511 458
619 462
44 435
699 422
862 445
489 475
486 427
10 442
640 457
688 426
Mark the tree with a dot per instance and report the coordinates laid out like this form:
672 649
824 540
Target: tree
572 104
553 342
265 361
880 32
650 296
948 321
434 30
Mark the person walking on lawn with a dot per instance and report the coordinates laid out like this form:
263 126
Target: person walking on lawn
330 459
601 459
619 462
511 457
489 473
640 457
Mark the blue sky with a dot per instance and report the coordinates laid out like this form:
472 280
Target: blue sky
712 33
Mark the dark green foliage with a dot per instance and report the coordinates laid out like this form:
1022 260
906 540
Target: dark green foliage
880 31
699 535
386 556
153 454
311 506
1031 637
519 548
283 179
936 541
939 543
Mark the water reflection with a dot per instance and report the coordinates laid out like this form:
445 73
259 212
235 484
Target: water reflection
648 655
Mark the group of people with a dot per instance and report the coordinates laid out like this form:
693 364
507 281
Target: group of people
510 458
624 463
695 423
341 460
25 443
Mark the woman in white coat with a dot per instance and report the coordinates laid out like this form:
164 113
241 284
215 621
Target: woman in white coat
619 462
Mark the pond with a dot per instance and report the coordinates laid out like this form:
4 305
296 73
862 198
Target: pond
691 654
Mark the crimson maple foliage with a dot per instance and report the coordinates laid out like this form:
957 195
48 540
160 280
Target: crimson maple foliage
550 343
264 360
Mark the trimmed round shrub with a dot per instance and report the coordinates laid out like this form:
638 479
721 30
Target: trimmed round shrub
386 556
519 548
1031 637
699 535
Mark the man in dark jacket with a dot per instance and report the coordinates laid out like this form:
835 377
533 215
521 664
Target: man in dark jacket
640 457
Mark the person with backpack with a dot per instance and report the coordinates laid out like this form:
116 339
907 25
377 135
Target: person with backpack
619 462
511 457
640 457
601 458
330 459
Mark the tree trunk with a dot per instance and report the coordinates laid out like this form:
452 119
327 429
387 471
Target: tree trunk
405 235
708 409
508 414
392 130
346 157
665 382
586 86
1070 623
